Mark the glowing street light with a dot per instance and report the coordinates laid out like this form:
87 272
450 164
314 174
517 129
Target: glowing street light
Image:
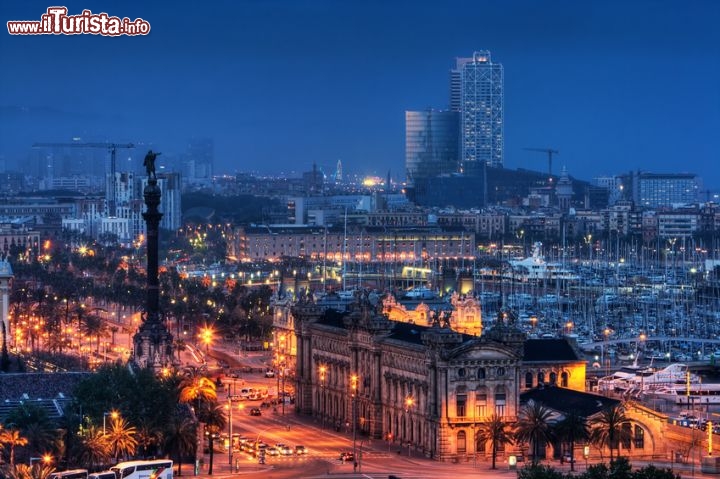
206 336
113 415
409 403
323 370
354 388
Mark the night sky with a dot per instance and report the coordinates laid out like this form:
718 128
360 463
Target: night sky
279 85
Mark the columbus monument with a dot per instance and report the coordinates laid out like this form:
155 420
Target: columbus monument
153 343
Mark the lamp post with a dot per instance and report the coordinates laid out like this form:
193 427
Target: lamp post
211 435
230 428
588 242
354 387
323 370
409 403
112 414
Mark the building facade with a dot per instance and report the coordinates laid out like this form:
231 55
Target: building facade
431 143
481 124
367 245
425 388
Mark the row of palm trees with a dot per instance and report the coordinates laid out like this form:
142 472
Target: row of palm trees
536 427
156 417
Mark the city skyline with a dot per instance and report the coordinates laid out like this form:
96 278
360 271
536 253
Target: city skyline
281 85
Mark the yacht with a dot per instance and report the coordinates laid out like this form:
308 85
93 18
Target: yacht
535 268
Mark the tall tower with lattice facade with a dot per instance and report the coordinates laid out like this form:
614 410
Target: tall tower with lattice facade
478 83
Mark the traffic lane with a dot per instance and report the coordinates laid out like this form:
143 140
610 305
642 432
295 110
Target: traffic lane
275 428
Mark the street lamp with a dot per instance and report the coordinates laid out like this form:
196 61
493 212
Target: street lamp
230 430
323 370
113 415
211 435
354 387
409 403
588 242
206 335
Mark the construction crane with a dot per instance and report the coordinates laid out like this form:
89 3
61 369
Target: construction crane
111 147
550 152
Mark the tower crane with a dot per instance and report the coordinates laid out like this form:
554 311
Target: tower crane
111 147
550 152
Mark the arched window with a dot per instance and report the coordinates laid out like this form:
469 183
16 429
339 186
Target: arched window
500 372
553 377
461 442
528 380
461 372
639 437
627 429
481 373
564 379
541 378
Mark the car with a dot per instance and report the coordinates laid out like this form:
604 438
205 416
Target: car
299 450
269 373
284 449
347 456
272 451
255 412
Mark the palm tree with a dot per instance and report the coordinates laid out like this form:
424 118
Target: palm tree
93 449
213 415
181 438
534 427
197 388
34 424
121 438
610 428
571 429
12 438
497 432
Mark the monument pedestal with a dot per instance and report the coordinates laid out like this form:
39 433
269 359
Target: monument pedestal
710 465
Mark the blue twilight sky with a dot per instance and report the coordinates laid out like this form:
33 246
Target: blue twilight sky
613 85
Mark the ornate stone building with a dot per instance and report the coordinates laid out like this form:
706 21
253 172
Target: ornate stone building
425 387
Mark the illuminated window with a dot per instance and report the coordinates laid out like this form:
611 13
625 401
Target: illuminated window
460 405
639 437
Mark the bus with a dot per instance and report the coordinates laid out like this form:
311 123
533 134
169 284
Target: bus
155 469
69 474
102 475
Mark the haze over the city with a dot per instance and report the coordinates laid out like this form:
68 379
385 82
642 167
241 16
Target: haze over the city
280 85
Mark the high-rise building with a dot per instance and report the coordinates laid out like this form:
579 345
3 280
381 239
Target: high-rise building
657 190
431 143
478 83
200 159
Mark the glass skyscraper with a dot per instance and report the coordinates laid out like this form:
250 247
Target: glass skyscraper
478 83
431 143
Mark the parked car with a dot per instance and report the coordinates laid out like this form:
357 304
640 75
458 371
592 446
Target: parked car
255 412
299 450
272 451
269 373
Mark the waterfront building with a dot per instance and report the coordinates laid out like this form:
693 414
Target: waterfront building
425 387
366 245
